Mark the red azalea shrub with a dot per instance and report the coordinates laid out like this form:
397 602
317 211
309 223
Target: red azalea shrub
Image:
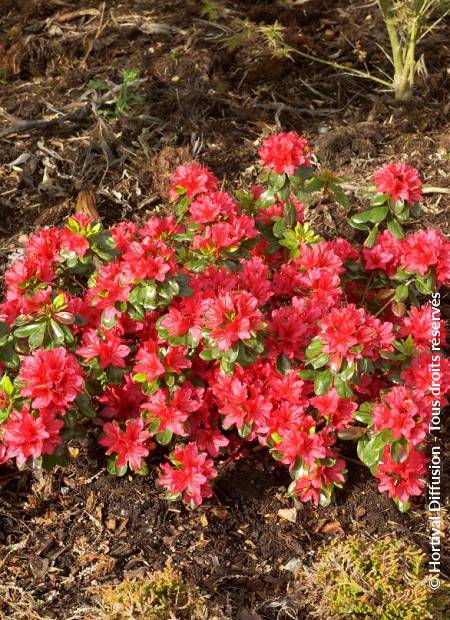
228 323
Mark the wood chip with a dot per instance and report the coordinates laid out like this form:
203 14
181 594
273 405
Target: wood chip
288 514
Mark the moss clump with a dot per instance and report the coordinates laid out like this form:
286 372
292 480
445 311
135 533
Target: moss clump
158 596
360 579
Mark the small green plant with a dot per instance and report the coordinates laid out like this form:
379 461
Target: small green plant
263 37
211 10
158 596
360 579
122 96
407 23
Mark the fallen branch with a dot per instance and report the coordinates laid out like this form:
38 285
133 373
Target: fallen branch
23 126
436 190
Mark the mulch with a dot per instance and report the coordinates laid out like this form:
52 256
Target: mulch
65 534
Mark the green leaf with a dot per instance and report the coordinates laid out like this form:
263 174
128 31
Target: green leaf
315 184
371 239
402 506
27 330
342 388
208 355
61 456
361 448
323 382
363 227
4 415
370 451
375 215
140 377
83 403
143 470
314 348
401 292
276 181
112 467
283 364
279 227
108 321
57 331
308 375
379 199
320 361
9 356
6 385
165 437
395 228
58 302
340 196
416 210
245 430
37 338
305 172
364 413
425 284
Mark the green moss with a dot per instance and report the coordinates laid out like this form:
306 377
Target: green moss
386 579
158 596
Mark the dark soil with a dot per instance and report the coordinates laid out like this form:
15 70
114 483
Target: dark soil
63 534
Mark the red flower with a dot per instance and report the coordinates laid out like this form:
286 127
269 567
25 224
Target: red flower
289 332
190 476
419 325
153 364
208 207
319 478
211 440
339 330
302 442
148 260
24 436
284 153
52 378
52 425
45 243
384 255
244 405
404 479
191 179
128 444
172 411
110 286
420 250
339 411
122 401
148 361
188 317
418 374
162 228
176 360
348 333
403 413
123 234
110 349
233 317
284 416
400 182
254 278
71 242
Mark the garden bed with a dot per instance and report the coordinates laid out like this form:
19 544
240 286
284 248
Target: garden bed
65 534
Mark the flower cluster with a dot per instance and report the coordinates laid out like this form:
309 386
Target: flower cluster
224 325
400 182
